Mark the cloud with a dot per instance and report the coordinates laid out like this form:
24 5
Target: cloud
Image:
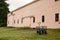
14 4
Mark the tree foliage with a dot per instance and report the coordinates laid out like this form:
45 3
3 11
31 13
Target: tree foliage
3 12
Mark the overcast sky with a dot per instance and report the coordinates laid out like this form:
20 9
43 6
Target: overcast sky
14 4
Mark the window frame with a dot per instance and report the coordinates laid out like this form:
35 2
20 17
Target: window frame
56 17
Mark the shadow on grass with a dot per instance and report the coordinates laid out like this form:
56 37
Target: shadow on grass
5 38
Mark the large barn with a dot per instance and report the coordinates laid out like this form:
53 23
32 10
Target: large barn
43 12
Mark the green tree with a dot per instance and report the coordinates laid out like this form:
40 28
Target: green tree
3 13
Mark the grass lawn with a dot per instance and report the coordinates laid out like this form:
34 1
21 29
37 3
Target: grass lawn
27 34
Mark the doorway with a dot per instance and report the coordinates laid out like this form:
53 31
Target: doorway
27 21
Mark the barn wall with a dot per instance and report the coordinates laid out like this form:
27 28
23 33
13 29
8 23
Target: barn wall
48 8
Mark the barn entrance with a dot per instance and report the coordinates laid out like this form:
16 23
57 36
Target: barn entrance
27 21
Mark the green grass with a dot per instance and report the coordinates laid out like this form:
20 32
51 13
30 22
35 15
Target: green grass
27 34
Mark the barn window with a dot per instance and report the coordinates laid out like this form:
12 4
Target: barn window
57 17
18 21
22 20
14 21
43 18
33 19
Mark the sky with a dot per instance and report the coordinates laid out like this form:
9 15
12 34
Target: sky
14 4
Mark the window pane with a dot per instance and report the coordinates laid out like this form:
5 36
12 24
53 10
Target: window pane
57 17
18 21
33 19
42 18
22 20
14 21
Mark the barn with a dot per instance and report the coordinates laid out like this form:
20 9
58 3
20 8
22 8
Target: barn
43 12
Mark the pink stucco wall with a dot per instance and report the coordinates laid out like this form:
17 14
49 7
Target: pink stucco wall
48 8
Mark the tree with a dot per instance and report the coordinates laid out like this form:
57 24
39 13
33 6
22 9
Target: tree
3 13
